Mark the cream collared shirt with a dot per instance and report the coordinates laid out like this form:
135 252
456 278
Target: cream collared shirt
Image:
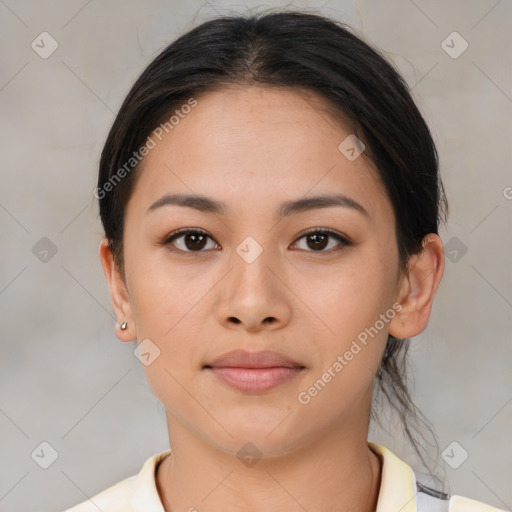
399 491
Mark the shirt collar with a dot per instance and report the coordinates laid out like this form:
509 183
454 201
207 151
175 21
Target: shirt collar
397 487
398 483
145 497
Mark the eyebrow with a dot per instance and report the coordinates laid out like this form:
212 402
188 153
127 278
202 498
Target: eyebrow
209 205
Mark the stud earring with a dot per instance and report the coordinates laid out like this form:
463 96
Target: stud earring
123 326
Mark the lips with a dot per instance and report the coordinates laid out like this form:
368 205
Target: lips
254 372
262 359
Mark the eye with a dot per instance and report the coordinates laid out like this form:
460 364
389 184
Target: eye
188 240
195 240
317 239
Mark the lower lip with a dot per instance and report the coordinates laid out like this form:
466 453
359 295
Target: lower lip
255 380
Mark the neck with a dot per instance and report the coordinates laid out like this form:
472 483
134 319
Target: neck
335 473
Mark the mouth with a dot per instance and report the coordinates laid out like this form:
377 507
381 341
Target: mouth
255 380
254 372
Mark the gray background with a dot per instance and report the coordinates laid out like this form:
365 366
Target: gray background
67 380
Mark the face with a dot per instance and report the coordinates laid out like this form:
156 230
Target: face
301 281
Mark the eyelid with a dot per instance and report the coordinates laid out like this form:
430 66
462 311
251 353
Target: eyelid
344 241
329 231
180 231
184 231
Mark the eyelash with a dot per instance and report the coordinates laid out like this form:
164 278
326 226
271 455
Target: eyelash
344 241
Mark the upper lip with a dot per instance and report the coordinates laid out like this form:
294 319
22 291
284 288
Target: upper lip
245 359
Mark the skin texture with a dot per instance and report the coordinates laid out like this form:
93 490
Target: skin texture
254 148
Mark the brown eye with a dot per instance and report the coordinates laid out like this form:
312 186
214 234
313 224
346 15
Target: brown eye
194 240
318 239
188 240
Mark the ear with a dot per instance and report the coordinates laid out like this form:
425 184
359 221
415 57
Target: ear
416 290
118 293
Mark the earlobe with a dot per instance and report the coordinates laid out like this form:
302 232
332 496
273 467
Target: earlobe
417 289
118 294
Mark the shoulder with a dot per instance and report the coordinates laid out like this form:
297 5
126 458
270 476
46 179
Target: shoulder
401 490
118 493
430 500
135 493
462 504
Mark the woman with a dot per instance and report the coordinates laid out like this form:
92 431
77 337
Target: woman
271 199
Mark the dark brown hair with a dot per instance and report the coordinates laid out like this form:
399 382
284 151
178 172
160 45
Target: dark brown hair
300 51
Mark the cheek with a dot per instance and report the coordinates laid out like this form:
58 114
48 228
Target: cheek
351 295
169 307
349 303
351 349
161 293
162 313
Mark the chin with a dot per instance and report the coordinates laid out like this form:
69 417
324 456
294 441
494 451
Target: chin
272 432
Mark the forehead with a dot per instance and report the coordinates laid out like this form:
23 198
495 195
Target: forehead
254 145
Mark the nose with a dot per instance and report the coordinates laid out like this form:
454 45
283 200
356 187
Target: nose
254 295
